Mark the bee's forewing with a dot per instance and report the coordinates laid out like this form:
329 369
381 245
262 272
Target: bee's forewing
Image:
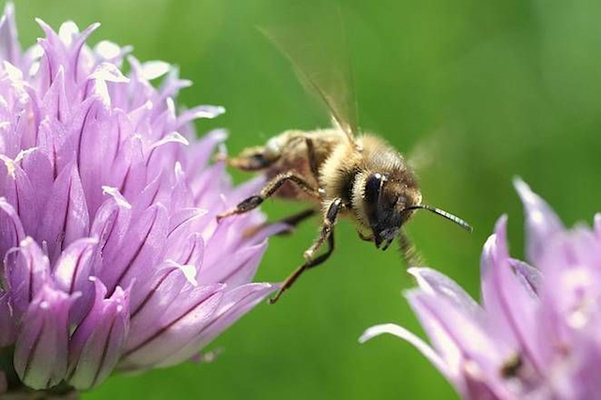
314 41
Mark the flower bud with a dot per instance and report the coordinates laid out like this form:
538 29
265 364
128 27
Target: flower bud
41 350
97 342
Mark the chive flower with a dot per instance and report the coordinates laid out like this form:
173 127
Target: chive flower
112 255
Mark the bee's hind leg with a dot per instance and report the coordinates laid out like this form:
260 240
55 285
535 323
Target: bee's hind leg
292 221
269 190
251 160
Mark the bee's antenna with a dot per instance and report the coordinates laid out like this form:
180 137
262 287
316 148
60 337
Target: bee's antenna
442 213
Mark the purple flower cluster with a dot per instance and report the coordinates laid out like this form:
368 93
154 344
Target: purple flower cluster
113 257
537 334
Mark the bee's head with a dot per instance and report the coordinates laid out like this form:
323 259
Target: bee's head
387 205
388 202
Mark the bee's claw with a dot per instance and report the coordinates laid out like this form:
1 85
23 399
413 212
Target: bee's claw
366 238
226 214
274 299
220 157
253 230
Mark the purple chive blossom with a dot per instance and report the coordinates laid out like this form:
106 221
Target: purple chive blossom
112 255
537 334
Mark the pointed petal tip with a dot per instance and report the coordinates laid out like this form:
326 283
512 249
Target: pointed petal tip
416 272
519 184
501 227
378 330
541 221
9 8
45 27
528 197
418 343
218 135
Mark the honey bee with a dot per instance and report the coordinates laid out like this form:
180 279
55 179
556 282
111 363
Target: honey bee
342 171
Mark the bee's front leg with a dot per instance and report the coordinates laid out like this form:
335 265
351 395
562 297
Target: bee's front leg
269 190
326 229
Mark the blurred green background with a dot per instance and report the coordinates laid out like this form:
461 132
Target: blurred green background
489 89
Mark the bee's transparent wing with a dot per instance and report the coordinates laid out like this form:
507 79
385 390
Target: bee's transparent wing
314 40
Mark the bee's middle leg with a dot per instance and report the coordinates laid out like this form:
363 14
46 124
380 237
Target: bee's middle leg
312 158
409 252
307 265
269 190
326 233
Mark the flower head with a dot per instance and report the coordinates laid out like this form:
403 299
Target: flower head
113 257
537 333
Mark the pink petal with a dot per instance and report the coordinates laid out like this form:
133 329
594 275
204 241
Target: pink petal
41 350
11 229
73 267
187 252
187 316
97 342
455 336
66 216
17 190
110 225
9 44
434 282
510 306
418 343
530 277
55 102
27 272
240 267
152 297
141 248
235 304
541 222
8 330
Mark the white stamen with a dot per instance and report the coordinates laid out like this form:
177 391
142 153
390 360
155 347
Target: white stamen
154 69
114 192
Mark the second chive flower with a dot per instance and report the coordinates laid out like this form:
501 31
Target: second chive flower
537 334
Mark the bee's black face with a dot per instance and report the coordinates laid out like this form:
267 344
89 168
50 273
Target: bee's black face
384 203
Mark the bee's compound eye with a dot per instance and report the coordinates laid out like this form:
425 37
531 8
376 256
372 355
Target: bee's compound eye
373 186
